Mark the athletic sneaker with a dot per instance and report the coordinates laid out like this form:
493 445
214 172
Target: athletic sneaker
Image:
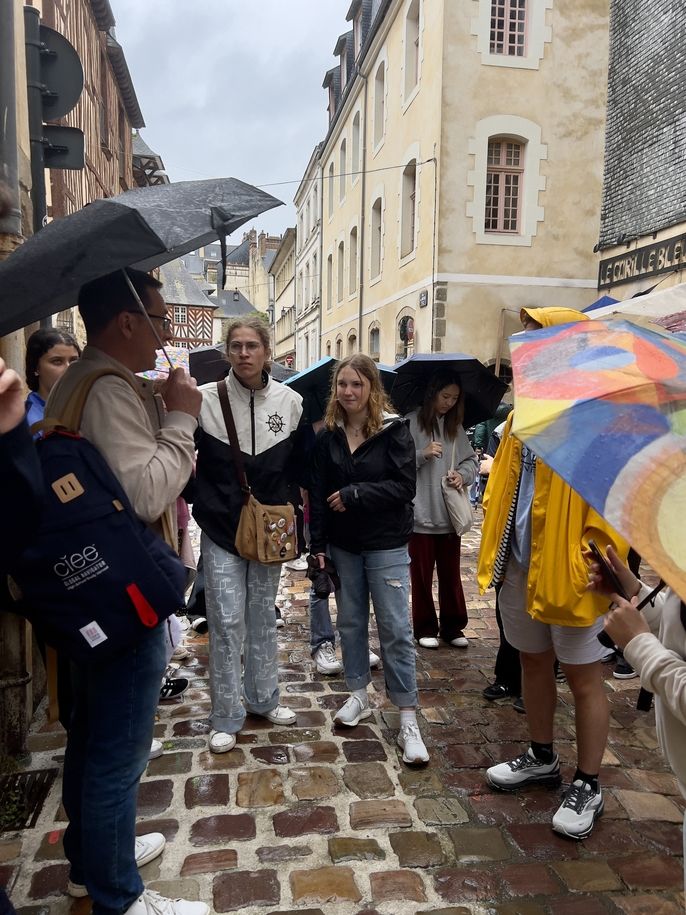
374 659
151 903
281 714
524 770
199 625
326 660
156 749
297 565
352 712
428 641
460 641
410 742
581 807
173 688
148 847
221 742
623 670
497 691
180 653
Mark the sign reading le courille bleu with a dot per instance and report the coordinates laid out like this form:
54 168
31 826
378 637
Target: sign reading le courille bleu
650 260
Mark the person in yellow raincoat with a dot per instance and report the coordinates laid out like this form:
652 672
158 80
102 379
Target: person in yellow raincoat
534 543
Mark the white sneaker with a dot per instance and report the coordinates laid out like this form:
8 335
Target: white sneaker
297 565
352 712
428 641
410 742
460 641
279 715
148 847
579 810
326 660
151 903
180 653
374 659
221 742
156 749
199 625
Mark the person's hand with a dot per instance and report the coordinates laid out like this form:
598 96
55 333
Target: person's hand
623 621
321 557
335 502
12 409
598 582
455 480
433 450
485 465
180 392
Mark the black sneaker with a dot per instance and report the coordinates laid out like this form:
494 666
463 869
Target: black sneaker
497 691
579 810
524 770
623 670
518 705
172 688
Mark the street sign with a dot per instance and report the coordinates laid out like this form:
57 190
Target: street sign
63 147
61 74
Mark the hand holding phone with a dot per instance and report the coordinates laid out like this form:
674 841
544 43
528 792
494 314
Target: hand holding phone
610 579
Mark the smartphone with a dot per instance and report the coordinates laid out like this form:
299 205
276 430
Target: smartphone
607 571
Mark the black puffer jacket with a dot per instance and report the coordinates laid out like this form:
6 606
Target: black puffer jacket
377 485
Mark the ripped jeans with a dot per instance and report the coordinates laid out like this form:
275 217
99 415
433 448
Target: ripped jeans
383 575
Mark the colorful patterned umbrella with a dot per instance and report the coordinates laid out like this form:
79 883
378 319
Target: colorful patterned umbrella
178 358
604 404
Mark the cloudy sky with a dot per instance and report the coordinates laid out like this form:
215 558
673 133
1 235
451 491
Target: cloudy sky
233 88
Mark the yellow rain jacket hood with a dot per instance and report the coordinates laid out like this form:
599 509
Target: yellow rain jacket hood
562 523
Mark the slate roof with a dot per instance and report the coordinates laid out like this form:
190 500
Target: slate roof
227 308
180 288
240 254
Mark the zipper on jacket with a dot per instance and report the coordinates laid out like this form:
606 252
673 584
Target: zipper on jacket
252 419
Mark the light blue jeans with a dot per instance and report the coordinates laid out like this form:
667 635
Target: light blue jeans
321 628
239 600
383 575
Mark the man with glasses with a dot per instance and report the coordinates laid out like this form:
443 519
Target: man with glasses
147 440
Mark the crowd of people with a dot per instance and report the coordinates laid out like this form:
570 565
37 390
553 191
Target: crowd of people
377 524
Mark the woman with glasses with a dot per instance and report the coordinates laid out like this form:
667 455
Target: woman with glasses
240 593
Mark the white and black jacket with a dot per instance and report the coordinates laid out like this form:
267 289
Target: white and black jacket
268 424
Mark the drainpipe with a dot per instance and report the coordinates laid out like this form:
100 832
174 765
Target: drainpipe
10 224
320 178
363 186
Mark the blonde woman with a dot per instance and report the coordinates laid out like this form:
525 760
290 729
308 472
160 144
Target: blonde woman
363 483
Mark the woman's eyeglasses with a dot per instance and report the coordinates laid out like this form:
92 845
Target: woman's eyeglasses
237 348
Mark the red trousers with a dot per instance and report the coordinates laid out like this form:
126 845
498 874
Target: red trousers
443 552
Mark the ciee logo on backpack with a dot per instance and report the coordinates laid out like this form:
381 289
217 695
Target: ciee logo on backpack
73 570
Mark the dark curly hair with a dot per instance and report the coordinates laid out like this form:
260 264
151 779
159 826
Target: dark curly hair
41 342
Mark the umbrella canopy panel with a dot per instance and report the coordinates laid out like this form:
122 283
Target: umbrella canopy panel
314 385
209 363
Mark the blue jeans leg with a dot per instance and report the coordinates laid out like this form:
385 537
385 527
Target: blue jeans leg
107 752
389 583
321 628
352 601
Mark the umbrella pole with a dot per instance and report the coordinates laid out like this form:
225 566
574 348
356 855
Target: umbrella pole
147 318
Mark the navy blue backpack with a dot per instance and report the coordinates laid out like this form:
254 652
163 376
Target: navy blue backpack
95 580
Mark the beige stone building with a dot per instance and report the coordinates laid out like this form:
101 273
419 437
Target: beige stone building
462 171
308 204
282 272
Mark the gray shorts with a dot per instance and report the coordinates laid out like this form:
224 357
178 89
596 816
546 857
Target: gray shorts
572 644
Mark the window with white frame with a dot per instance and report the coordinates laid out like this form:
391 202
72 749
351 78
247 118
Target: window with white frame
504 175
374 341
328 347
331 186
357 32
508 27
355 151
306 287
376 229
408 208
379 102
352 257
308 220
512 33
342 169
329 282
340 270
411 47
315 205
339 348
315 276
352 343
180 314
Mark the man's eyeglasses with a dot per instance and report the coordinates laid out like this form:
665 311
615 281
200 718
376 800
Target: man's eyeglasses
237 348
166 322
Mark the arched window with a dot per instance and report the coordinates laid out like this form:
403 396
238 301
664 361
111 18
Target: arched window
379 103
375 264
374 342
352 343
342 169
341 270
331 190
328 347
409 193
329 282
504 174
355 148
411 47
339 348
352 257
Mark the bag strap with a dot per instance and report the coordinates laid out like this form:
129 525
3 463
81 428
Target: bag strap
225 404
452 455
73 411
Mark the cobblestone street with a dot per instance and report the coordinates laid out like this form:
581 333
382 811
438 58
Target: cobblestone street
319 819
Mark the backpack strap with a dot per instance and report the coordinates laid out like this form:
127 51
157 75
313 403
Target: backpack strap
223 393
73 412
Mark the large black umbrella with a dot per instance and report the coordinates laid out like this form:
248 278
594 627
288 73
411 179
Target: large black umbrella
483 390
209 363
314 385
143 228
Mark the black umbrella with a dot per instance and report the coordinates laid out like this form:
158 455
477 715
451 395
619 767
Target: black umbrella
483 390
314 385
209 363
143 228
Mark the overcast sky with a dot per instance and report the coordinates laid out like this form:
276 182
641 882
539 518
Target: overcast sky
233 88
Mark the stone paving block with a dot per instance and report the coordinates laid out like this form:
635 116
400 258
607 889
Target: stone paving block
466 757
646 905
375 814
241 889
271 756
209 862
649 872
344 849
642 806
420 781
579 905
537 840
298 912
479 844
467 884
587 876
177 889
451 910
397 885
213 762
519 908
368 780
192 728
8 875
530 880
273 854
656 782
313 783
168 827
322 751
310 719
37 742
155 796
207 791
305 818
171 764
417 849
440 811
364 751
497 809
262 788
667 837
50 880
51 848
360 732
225 827
324 884
617 835
290 736
9 849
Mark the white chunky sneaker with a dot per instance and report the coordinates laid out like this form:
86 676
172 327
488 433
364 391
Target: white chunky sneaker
428 641
326 660
151 903
460 641
221 742
524 770
156 749
579 810
352 712
374 659
410 742
180 653
148 847
280 715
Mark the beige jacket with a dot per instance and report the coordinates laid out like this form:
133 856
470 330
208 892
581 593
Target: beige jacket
149 451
